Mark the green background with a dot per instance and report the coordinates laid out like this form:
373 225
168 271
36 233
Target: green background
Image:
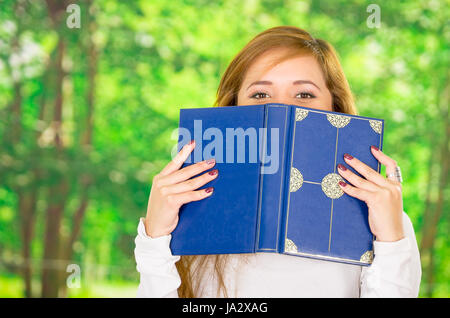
86 117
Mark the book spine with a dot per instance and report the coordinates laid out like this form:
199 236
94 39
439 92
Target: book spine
262 142
272 174
290 124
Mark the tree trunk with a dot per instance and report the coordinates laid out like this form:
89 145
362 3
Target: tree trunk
85 180
432 216
26 195
57 193
27 209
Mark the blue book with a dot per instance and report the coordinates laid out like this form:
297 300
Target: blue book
277 188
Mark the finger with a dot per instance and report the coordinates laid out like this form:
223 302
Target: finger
366 171
189 196
356 180
384 159
187 172
193 183
360 194
179 159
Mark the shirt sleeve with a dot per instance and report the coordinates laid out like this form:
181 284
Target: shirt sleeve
396 269
156 264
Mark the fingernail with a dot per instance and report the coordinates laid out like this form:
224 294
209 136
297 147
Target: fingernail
342 167
209 190
342 183
213 172
374 148
347 156
191 142
210 161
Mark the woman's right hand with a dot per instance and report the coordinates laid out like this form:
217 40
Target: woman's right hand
172 188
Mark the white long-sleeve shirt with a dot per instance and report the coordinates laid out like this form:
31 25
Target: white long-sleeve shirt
395 272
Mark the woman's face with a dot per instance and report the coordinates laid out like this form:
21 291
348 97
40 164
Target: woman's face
296 81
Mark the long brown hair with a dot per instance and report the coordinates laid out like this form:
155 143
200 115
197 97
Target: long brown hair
298 42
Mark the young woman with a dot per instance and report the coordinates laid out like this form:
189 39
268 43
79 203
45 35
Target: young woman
281 65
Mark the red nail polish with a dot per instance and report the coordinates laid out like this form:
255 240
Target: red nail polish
210 161
342 183
342 167
374 148
209 190
213 172
347 156
191 142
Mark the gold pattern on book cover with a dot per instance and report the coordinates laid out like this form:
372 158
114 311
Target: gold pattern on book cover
338 121
290 247
376 125
331 187
296 180
300 114
367 257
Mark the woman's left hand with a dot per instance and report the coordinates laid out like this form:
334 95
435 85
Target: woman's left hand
383 196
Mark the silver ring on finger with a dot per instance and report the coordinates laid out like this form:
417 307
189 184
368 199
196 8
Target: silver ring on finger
396 175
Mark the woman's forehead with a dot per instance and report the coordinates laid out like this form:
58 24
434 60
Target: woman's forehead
299 67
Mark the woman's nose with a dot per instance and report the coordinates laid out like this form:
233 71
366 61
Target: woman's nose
282 100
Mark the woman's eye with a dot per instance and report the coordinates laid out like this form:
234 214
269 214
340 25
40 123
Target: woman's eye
305 95
260 95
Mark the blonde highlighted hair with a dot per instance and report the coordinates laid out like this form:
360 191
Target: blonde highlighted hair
297 42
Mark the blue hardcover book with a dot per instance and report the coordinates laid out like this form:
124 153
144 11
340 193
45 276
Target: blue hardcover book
277 186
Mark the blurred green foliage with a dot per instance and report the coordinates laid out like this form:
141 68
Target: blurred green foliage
124 75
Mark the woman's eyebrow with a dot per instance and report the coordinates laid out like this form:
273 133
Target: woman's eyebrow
305 82
293 83
260 83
